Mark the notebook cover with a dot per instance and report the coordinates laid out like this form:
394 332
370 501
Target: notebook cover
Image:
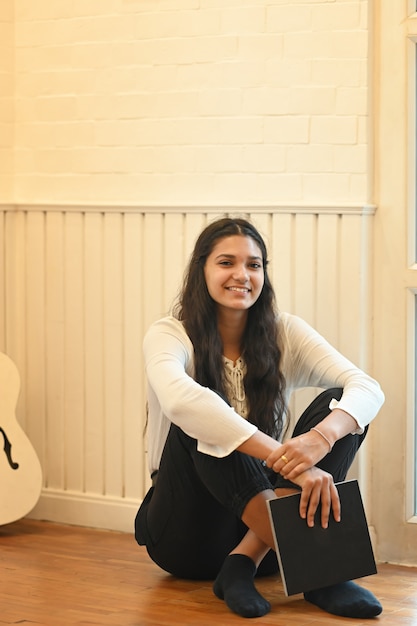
310 558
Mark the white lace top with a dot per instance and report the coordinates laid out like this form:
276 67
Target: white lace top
234 375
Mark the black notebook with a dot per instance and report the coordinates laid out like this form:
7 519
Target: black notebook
311 558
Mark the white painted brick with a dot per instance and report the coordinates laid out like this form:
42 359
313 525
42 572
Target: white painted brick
264 158
177 51
6 109
6 43
266 101
7 11
348 44
334 130
310 158
218 158
312 100
46 10
24 110
345 73
61 188
279 188
171 159
7 81
133 7
220 102
63 134
364 15
6 136
52 109
326 187
180 131
96 28
289 18
297 45
176 5
159 25
350 159
24 160
264 47
132 79
45 58
336 16
358 189
326 45
115 160
176 188
6 177
6 157
243 20
39 33
93 55
351 101
363 129
194 75
58 83
235 187
204 4
228 74
287 72
190 100
287 129
136 106
56 162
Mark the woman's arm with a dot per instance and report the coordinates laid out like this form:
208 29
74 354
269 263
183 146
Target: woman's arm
317 486
306 450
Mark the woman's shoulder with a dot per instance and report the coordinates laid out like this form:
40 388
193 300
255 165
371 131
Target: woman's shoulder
290 321
294 330
168 326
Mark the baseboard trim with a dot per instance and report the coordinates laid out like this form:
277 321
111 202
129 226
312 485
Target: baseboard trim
89 510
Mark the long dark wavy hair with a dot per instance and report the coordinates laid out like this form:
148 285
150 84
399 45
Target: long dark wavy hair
264 383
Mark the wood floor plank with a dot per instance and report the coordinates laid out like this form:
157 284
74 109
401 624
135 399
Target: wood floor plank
57 575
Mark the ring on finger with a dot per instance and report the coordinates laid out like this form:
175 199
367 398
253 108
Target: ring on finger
284 458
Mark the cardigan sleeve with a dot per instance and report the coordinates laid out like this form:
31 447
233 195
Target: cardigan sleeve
197 410
310 361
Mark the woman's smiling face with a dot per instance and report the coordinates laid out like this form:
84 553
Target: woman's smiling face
234 272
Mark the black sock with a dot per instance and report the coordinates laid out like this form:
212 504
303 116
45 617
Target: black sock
235 585
346 599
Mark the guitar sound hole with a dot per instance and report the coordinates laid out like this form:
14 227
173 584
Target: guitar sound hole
8 450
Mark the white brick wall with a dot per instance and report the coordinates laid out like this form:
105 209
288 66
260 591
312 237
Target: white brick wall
200 101
6 100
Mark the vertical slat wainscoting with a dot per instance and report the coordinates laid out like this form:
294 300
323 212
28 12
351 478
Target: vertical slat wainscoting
2 280
80 289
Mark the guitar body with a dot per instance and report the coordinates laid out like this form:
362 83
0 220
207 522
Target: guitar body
20 470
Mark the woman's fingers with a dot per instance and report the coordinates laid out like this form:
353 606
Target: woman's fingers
319 489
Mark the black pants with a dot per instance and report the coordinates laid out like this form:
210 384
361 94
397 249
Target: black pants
191 519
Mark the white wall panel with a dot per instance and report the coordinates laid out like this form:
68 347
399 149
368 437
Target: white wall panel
82 285
2 280
54 465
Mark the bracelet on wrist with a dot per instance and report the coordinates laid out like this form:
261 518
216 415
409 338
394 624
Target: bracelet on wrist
323 437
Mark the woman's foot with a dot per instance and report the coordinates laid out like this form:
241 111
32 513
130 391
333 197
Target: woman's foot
345 599
235 585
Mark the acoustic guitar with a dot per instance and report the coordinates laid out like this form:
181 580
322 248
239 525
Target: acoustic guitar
20 470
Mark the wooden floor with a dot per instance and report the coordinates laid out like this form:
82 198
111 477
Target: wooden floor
57 575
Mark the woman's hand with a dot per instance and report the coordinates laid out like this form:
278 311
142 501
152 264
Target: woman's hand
295 460
298 455
318 488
